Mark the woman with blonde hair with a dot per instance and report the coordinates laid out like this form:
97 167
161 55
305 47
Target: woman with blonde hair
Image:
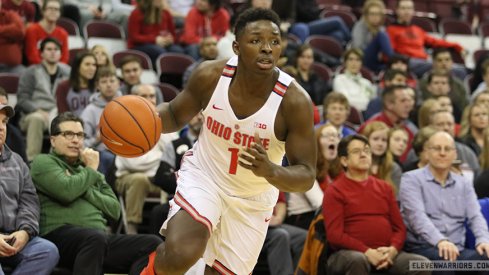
102 56
475 119
481 183
383 165
369 35
428 108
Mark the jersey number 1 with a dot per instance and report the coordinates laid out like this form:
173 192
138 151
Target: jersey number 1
233 166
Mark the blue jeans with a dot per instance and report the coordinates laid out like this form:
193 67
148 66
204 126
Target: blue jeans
106 161
331 26
153 50
39 257
465 255
379 44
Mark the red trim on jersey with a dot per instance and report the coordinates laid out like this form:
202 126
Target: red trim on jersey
228 71
278 92
184 204
221 268
281 85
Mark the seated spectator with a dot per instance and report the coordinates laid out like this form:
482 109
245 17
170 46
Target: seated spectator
21 248
398 138
328 165
369 35
481 183
315 86
351 83
396 106
446 105
82 82
102 56
301 207
383 165
363 223
207 51
206 18
332 26
420 148
474 120
108 89
439 83
391 77
485 80
136 177
11 41
132 69
14 139
75 201
443 60
400 62
410 40
436 203
429 107
482 98
36 94
336 109
25 9
444 121
151 30
36 32
283 242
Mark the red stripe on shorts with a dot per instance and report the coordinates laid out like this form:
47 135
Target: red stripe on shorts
221 268
191 210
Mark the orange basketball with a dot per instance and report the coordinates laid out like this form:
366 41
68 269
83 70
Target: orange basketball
130 126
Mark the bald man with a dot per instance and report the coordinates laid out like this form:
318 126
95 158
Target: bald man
435 203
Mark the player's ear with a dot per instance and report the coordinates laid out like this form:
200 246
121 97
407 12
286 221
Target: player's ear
236 47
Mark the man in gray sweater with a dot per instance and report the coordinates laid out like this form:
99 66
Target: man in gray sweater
20 249
36 95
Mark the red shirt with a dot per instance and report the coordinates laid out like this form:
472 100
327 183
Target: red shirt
198 26
383 117
25 10
141 33
11 38
362 215
33 38
411 40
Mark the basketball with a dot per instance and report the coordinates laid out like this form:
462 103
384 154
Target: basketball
130 126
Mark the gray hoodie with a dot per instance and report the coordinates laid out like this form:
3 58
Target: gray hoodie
19 204
91 117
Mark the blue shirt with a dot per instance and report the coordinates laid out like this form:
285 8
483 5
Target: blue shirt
433 213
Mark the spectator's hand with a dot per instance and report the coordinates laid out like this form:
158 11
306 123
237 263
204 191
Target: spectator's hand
483 247
6 250
96 12
447 250
44 114
256 159
90 158
275 221
374 257
390 253
21 239
160 41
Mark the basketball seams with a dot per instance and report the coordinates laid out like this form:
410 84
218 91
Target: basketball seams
136 121
154 122
128 142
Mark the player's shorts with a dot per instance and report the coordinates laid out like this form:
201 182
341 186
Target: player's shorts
237 226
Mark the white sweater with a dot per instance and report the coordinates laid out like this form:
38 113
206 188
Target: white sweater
357 89
308 201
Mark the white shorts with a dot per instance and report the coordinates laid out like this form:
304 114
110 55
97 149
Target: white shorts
237 226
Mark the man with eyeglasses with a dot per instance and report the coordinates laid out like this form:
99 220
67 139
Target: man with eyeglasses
20 247
364 227
436 203
76 202
36 94
36 32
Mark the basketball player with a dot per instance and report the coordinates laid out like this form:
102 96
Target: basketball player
229 182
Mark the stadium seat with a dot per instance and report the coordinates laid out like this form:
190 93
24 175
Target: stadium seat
325 44
169 91
348 17
425 23
454 26
322 71
61 93
107 34
366 73
355 117
75 40
469 236
148 75
10 82
170 67
470 43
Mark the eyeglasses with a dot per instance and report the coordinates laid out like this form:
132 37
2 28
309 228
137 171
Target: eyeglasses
52 9
148 96
358 151
446 149
331 135
69 135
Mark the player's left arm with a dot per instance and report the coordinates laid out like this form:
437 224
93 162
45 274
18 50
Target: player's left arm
300 146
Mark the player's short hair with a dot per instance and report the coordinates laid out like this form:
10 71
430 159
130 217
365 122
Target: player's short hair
438 73
106 71
63 117
129 59
389 94
253 15
343 145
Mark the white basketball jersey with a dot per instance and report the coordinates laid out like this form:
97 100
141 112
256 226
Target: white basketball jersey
223 137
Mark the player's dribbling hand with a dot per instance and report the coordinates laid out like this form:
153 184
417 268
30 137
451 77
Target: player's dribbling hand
90 158
255 158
